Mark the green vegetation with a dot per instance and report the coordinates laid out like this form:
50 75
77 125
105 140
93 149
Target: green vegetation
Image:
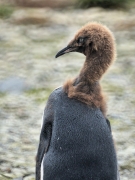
39 95
112 88
103 3
2 94
6 11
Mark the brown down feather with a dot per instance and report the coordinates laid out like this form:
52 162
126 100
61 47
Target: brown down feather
100 53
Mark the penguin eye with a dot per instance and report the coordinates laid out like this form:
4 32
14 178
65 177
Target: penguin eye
80 40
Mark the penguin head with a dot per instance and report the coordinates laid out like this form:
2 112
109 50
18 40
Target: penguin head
92 39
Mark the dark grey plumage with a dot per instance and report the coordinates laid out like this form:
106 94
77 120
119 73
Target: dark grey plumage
76 137
76 141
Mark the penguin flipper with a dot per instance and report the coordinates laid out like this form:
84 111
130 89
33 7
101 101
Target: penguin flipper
109 125
45 135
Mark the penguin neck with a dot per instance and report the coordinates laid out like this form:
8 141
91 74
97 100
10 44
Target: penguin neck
86 87
91 71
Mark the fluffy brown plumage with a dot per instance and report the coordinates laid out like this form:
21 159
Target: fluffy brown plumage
75 138
96 42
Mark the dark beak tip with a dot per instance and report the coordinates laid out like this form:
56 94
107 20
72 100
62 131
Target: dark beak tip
57 55
64 51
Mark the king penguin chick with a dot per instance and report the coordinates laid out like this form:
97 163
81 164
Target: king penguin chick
75 140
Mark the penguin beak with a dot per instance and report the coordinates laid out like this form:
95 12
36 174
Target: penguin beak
67 49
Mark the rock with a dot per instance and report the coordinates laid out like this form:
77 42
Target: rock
19 178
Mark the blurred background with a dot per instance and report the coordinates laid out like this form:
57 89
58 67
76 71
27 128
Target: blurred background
31 33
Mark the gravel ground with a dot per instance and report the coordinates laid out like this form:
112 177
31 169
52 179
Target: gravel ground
29 40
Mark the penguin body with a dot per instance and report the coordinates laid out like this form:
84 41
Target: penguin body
76 141
79 141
